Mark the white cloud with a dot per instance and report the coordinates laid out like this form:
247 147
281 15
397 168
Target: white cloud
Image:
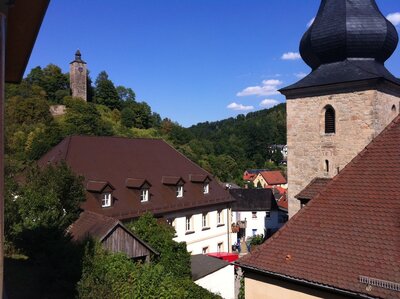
239 107
394 18
268 87
310 22
268 103
291 56
300 75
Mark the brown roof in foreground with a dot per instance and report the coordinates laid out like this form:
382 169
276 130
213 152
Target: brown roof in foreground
273 177
114 160
350 230
313 188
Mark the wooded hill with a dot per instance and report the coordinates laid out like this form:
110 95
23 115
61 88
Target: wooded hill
225 148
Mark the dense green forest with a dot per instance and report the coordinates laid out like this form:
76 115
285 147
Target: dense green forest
225 148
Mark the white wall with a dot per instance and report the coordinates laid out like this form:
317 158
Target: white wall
204 237
221 282
252 223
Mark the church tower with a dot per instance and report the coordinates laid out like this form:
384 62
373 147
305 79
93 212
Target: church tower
347 99
78 77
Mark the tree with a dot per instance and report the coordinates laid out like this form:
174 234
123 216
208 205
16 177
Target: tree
51 198
136 115
83 119
28 111
107 275
105 92
52 80
126 94
173 256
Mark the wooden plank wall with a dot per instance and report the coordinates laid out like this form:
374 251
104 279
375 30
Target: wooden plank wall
120 241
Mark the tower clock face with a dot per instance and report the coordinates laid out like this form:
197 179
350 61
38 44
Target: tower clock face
80 69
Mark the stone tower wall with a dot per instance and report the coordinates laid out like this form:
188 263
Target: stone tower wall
78 80
360 116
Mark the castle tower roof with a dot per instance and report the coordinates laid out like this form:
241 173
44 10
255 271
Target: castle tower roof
346 29
349 40
78 57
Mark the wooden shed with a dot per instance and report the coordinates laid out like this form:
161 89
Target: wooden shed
112 234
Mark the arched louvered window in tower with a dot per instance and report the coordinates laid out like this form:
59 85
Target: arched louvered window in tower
330 120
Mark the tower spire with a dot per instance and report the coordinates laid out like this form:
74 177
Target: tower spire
346 29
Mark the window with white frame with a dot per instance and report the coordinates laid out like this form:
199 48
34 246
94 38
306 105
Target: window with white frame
179 191
205 220
106 200
220 219
189 224
144 195
206 188
253 215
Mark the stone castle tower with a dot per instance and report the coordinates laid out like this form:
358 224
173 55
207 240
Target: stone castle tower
349 96
78 77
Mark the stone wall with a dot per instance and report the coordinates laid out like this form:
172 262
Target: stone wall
360 116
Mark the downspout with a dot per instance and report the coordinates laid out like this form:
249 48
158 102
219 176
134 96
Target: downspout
228 220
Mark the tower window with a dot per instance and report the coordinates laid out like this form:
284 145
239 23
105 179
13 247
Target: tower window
329 120
394 108
327 166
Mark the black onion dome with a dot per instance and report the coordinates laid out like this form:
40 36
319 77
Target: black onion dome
346 29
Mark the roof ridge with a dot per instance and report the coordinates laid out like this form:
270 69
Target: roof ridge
116 137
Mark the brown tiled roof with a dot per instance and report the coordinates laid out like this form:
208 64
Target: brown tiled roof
313 188
97 186
91 224
253 200
115 159
198 178
273 177
171 180
135 183
283 202
349 230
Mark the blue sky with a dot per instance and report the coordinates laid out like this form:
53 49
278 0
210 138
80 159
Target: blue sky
190 60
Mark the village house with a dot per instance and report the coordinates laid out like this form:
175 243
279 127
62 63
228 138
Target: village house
254 212
214 274
250 174
270 179
125 178
344 242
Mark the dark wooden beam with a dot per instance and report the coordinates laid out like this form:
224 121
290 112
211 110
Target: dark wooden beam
24 19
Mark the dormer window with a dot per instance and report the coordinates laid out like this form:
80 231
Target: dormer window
106 200
206 188
103 191
144 195
179 191
139 185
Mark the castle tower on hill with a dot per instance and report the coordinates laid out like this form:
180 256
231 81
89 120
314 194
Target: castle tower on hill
78 77
349 96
